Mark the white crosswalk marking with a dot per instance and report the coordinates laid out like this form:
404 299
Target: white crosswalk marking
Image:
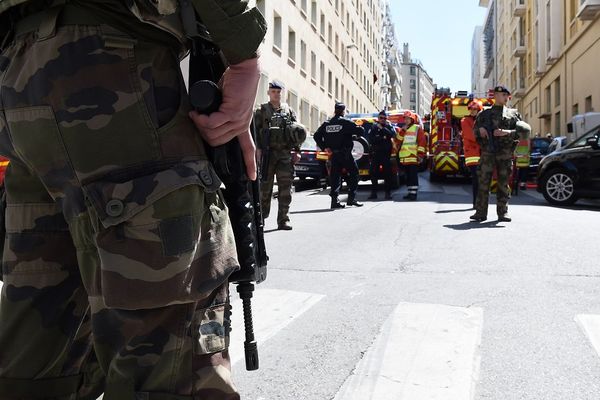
423 352
590 325
273 310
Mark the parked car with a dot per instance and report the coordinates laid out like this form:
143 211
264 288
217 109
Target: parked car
572 172
313 162
557 143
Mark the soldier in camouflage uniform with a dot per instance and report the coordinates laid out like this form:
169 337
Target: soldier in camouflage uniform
276 138
503 126
118 246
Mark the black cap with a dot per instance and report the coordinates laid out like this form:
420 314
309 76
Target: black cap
501 89
276 85
383 113
339 105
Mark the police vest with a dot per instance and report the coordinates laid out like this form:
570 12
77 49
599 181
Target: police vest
409 152
278 122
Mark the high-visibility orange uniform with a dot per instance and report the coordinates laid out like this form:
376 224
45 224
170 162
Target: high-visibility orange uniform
470 145
412 144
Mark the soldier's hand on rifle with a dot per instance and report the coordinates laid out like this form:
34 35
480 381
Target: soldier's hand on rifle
500 132
483 133
239 85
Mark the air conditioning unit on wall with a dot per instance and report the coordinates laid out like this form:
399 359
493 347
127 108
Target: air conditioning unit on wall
588 9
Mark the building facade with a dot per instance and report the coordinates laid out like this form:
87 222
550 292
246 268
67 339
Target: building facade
391 84
417 85
324 51
547 52
479 84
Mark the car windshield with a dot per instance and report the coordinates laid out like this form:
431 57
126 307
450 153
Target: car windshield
582 141
309 144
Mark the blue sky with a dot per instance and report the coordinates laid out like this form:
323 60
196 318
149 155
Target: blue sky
439 33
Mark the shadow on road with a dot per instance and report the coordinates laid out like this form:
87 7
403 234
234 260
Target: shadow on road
321 210
454 211
467 226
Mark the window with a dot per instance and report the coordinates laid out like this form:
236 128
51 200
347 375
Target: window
313 13
330 35
322 75
413 84
413 70
330 83
277 32
292 45
548 93
588 104
322 25
292 100
304 113
557 123
314 119
313 66
263 87
413 96
575 109
303 55
557 92
304 6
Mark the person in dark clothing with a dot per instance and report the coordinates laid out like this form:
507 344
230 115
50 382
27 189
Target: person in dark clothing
380 138
336 137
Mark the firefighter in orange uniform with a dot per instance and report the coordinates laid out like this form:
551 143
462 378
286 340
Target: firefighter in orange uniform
3 165
470 145
412 151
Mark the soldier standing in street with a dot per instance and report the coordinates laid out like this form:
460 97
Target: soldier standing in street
470 145
118 245
498 130
412 151
336 137
277 135
380 138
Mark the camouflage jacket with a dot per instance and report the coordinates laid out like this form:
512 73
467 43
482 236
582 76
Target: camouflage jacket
279 134
235 29
501 117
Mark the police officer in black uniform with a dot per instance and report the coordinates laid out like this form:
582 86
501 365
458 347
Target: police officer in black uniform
380 139
336 138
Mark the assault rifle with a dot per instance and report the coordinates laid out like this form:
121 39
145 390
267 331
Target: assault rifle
242 196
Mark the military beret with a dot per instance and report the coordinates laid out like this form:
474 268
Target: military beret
276 85
340 105
501 89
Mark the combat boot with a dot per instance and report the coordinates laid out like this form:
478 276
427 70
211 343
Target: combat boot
335 204
504 218
353 202
373 195
478 217
285 226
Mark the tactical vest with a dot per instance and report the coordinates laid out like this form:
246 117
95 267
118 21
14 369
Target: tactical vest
278 125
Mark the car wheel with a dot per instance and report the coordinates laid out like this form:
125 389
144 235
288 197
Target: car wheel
558 188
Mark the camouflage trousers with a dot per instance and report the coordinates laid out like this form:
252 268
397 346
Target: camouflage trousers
118 245
280 166
501 161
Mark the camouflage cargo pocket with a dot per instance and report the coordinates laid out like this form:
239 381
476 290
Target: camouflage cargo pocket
163 238
213 329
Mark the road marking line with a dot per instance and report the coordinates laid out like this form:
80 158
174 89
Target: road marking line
423 352
590 325
273 310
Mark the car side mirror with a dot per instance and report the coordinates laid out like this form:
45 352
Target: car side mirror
593 143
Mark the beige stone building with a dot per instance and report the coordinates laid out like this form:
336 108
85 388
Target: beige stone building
323 51
547 52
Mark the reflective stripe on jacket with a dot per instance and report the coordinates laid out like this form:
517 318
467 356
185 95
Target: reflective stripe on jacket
522 153
412 145
470 145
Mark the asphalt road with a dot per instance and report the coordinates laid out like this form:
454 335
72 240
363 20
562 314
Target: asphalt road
409 300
